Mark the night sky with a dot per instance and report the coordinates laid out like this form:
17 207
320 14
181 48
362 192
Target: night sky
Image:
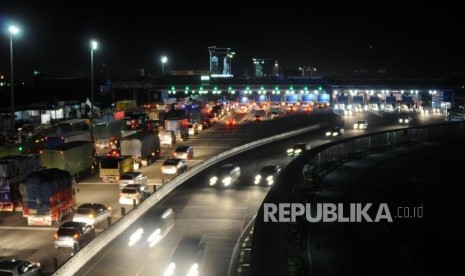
336 38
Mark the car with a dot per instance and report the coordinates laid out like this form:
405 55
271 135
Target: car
406 120
132 178
153 229
18 267
173 166
274 114
226 175
73 234
187 258
267 175
184 152
231 122
258 118
92 213
132 193
361 124
297 149
335 132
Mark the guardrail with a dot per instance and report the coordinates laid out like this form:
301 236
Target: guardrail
73 264
274 251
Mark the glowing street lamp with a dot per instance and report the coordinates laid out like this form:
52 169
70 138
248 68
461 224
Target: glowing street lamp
13 30
163 60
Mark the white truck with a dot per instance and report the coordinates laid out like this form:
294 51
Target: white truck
143 147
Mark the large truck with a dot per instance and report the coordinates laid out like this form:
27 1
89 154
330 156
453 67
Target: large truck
75 157
180 126
111 168
107 136
167 138
143 147
48 195
13 170
53 140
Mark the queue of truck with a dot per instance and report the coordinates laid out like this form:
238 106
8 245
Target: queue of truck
43 185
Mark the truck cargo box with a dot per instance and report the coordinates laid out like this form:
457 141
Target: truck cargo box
75 157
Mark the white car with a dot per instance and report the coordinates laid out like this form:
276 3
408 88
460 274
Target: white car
92 213
132 193
173 166
362 124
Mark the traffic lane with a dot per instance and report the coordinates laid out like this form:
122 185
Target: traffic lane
407 244
219 215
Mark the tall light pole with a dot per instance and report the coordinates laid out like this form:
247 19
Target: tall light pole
93 46
13 30
163 60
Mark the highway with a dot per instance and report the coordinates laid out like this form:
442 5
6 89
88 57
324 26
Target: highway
220 215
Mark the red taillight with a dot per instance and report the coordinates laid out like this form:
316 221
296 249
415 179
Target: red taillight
55 236
76 236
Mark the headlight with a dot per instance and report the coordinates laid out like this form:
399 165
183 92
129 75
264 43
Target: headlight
170 270
270 182
227 181
400 121
297 151
290 151
213 180
257 179
406 121
193 271
154 236
355 126
135 237
334 133
328 133
269 178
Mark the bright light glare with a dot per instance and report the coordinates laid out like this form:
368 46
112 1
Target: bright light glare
13 30
170 270
154 238
93 44
227 181
193 271
135 237
213 180
164 59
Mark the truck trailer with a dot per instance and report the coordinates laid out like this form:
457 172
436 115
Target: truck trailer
53 140
143 147
180 126
111 168
75 157
48 195
107 136
13 170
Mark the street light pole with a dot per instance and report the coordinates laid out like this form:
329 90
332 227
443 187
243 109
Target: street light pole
93 46
13 30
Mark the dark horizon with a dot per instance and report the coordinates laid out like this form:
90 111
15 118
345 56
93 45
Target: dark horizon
337 39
